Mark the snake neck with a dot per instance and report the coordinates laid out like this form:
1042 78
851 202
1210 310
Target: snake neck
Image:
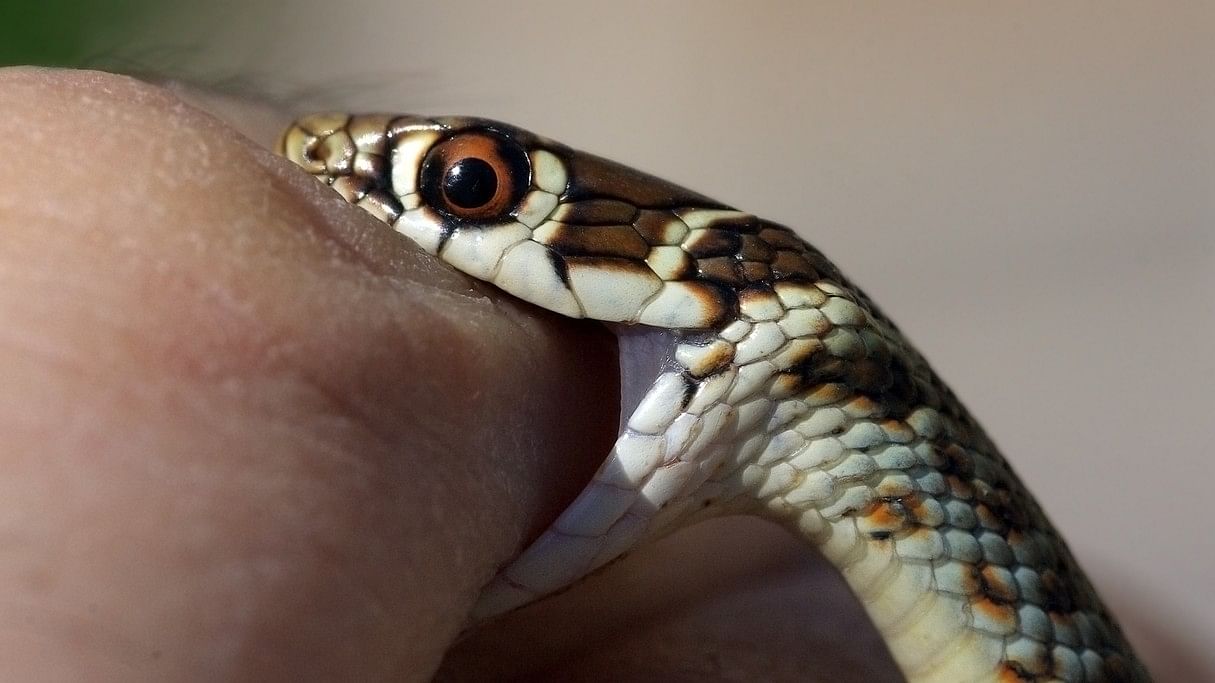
811 409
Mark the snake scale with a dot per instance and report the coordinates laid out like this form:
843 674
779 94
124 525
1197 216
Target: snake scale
757 379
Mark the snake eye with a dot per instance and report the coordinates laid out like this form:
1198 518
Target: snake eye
475 176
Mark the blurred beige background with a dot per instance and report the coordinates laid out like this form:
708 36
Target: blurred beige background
1028 188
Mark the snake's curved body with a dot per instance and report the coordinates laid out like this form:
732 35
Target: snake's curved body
776 388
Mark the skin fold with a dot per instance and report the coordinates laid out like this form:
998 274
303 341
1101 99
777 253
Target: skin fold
250 433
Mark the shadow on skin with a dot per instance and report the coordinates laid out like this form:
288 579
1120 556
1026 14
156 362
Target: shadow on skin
734 598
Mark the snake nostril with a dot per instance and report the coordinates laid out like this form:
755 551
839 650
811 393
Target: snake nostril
587 409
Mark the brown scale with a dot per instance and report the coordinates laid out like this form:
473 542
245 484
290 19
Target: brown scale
891 515
709 242
792 265
724 270
596 212
621 241
753 248
607 263
754 271
658 228
756 293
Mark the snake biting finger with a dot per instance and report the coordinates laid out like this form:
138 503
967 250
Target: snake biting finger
756 379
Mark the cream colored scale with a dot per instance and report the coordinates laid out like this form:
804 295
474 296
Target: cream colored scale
776 388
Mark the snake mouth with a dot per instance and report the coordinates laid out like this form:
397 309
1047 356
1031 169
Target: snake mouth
603 516
586 428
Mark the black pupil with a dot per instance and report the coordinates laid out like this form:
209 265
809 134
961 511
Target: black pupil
470 183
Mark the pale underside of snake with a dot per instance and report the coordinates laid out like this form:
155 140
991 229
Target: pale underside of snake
756 379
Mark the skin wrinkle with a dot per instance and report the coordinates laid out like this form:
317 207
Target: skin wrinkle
318 217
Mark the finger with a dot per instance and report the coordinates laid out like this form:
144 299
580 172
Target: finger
246 430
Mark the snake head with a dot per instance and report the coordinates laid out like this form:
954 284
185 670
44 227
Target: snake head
566 230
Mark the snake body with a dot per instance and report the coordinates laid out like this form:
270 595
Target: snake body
776 388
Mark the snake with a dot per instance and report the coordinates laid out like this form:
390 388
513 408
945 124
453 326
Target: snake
756 379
